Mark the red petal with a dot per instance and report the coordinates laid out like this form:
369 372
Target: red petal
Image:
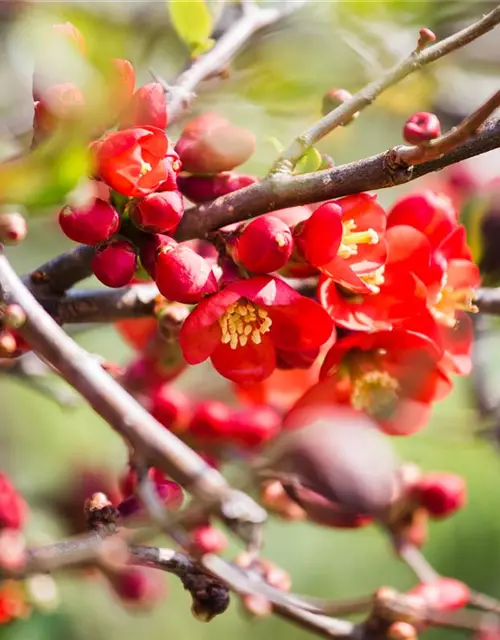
341 272
410 417
409 249
463 274
455 245
300 326
251 363
265 290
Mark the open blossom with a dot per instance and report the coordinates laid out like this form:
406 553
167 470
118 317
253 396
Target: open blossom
241 327
391 375
344 239
135 161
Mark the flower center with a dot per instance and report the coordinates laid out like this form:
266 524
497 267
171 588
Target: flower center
375 392
375 279
145 168
243 321
449 301
351 238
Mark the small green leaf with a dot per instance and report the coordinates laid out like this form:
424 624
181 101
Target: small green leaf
310 161
202 47
192 21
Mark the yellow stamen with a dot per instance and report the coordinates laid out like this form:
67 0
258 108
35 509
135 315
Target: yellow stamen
374 279
351 238
375 392
243 321
145 168
449 301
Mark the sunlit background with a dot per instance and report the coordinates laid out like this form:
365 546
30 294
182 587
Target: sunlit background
275 88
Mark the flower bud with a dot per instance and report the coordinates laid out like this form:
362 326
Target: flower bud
211 144
183 276
333 99
138 587
13 509
442 594
169 492
158 212
208 539
13 228
91 225
318 238
114 264
151 247
253 426
171 407
421 127
148 107
200 189
264 245
442 494
210 421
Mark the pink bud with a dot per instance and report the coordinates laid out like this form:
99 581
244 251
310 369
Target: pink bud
13 228
208 539
333 99
171 407
148 107
92 225
421 127
443 594
158 212
210 421
318 238
184 276
441 493
114 264
200 189
264 245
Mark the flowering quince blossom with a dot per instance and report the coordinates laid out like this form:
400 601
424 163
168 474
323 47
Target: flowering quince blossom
344 239
241 327
391 375
135 162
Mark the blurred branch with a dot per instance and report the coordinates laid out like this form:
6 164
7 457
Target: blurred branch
281 191
488 300
407 156
149 439
62 272
416 60
253 19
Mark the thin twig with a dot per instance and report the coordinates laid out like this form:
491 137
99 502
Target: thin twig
416 60
181 94
407 156
149 439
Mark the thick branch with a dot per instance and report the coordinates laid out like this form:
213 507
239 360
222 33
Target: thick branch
62 272
288 191
416 60
238 34
151 441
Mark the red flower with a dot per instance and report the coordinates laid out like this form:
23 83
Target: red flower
361 245
134 161
148 107
241 327
392 375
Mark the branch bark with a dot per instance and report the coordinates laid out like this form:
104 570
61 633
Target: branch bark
416 60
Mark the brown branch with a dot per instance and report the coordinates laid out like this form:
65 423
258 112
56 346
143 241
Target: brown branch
411 155
416 60
237 35
368 174
62 272
150 440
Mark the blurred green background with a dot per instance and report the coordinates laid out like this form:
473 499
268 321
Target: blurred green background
275 88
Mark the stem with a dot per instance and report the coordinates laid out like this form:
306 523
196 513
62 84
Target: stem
416 60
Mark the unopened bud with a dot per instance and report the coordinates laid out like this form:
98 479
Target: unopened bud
425 38
100 513
13 228
421 127
333 99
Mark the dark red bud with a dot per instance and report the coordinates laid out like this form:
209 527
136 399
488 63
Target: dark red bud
210 421
169 492
421 127
200 189
264 245
91 225
171 407
158 212
253 426
184 276
442 494
114 264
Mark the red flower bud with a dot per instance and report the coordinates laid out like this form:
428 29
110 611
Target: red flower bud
264 245
137 332
318 238
210 420
441 493
333 99
150 249
13 509
208 539
158 212
211 144
148 107
138 586
421 127
443 594
205 188
13 228
92 225
171 407
128 482
114 264
184 276
255 425
169 492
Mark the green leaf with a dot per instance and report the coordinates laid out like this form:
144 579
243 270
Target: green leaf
310 161
192 21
